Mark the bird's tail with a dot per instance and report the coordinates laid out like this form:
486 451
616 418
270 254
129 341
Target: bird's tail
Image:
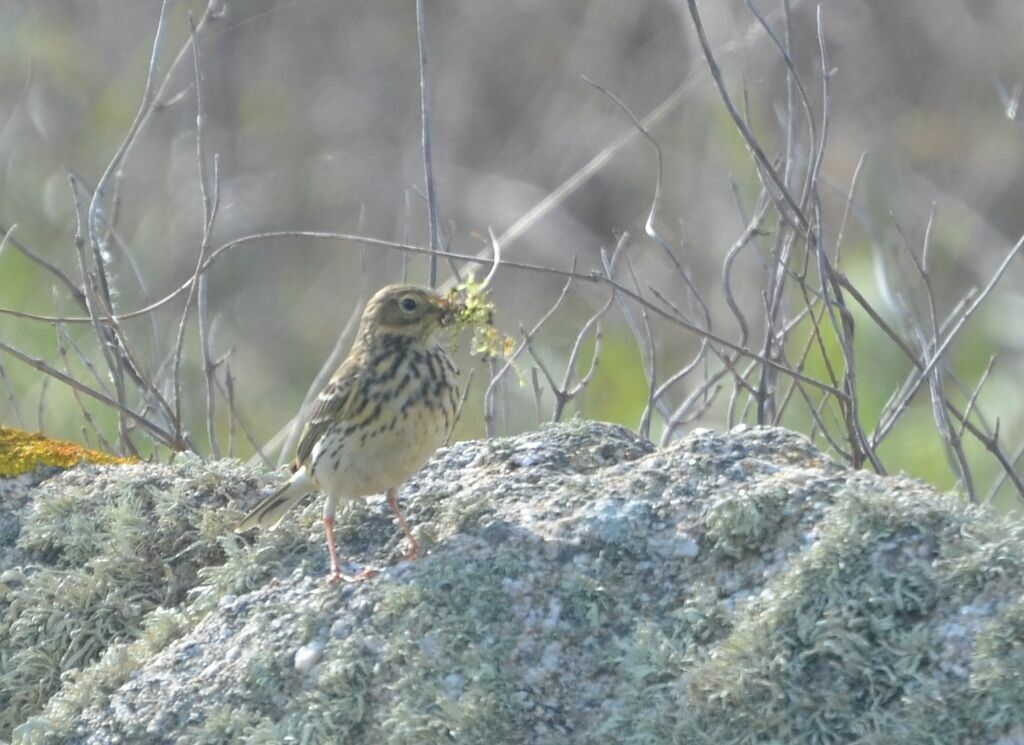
269 512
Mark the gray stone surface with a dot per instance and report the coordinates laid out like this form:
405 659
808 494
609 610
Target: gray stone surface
578 587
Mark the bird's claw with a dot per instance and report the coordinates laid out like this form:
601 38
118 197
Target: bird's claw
336 576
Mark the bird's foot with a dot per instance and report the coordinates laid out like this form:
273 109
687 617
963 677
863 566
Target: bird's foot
336 576
414 550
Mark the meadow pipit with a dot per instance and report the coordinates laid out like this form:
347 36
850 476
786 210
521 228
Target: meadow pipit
386 410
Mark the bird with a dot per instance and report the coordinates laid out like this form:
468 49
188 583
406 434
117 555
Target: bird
386 410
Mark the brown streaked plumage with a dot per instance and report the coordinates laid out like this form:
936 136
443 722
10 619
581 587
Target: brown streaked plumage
382 415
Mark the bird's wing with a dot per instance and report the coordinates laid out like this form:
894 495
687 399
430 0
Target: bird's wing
332 405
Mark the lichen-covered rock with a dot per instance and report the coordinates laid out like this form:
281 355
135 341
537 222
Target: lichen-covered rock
23 452
95 555
26 459
579 587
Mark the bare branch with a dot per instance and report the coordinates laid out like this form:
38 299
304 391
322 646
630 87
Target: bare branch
972 401
76 292
211 203
489 393
11 398
998 482
158 434
650 353
568 187
148 96
229 394
496 246
567 392
86 414
538 394
787 206
41 409
436 240
103 334
849 203
969 311
236 416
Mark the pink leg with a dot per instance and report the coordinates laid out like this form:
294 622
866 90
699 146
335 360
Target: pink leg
336 574
414 552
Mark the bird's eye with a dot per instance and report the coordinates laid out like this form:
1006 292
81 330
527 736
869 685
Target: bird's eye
408 304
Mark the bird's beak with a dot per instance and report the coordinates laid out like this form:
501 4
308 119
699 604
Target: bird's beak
447 309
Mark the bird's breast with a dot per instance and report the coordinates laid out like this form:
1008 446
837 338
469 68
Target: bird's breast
411 408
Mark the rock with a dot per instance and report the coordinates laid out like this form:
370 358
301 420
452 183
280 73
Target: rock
579 587
27 459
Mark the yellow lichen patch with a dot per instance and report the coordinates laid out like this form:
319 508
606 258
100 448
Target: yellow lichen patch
22 452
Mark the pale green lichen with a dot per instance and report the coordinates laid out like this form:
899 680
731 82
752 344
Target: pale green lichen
738 523
826 609
453 605
995 686
23 452
846 644
112 551
233 723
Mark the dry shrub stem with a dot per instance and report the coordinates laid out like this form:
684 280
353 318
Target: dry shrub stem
436 241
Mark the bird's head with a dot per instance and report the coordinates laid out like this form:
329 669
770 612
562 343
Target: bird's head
406 310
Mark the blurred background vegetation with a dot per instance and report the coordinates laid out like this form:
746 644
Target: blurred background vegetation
312 107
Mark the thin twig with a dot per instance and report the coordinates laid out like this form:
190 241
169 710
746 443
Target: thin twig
76 292
211 203
496 377
649 350
496 248
787 206
229 394
86 414
968 313
11 398
41 409
592 167
972 401
538 394
179 346
148 96
567 392
593 277
436 241
998 482
159 434
105 337
107 327
236 416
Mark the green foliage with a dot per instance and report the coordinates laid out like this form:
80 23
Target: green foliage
473 309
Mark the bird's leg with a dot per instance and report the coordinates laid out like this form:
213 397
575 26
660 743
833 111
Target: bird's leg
336 575
414 551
